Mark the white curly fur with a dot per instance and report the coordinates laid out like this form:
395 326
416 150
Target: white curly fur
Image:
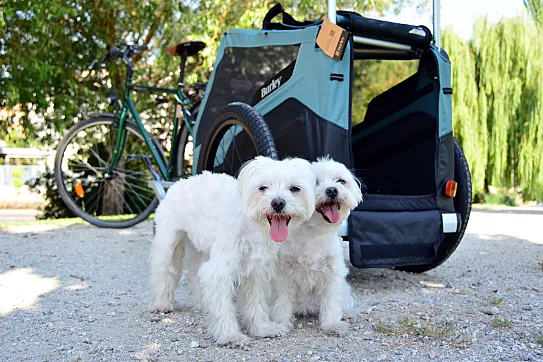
311 270
222 224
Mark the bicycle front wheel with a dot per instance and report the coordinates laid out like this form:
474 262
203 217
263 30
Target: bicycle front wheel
120 199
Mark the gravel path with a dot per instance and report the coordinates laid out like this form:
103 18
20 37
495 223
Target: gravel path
80 294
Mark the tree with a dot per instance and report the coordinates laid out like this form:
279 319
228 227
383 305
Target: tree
46 49
535 7
509 69
47 46
469 109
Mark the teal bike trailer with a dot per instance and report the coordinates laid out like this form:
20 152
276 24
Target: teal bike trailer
417 197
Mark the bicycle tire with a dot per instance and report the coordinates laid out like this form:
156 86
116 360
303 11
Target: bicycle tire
252 124
462 205
65 195
181 167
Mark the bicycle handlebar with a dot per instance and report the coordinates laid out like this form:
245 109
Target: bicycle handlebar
114 52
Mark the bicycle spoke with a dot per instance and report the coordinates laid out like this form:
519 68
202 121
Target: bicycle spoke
236 149
137 196
95 154
232 142
118 192
96 199
134 186
92 168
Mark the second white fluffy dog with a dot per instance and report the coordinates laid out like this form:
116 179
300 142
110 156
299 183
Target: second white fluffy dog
312 270
232 225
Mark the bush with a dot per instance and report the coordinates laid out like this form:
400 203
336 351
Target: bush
16 173
502 197
46 186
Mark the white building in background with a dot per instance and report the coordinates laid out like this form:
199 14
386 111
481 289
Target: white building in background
9 168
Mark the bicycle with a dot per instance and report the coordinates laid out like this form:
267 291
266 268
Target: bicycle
102 165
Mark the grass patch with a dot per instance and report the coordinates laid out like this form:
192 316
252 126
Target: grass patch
539 339
439 330
501 323
502 197
386 329
495 300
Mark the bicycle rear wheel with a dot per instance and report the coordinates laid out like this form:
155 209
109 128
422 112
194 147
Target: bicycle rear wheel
119 200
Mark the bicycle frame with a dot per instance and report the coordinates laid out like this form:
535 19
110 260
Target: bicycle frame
181 100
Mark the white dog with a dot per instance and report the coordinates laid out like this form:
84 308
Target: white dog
312 270
228 225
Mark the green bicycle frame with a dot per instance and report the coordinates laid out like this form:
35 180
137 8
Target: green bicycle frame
165 170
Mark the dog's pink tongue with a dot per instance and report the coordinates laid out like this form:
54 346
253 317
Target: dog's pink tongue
332 212
278 228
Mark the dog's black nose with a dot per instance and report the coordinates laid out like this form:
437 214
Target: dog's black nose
331 192
278 204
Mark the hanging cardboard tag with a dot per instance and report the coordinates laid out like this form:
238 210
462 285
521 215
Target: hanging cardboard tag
332 39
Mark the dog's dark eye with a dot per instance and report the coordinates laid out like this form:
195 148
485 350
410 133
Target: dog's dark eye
263 188
318 182
294 189
341 181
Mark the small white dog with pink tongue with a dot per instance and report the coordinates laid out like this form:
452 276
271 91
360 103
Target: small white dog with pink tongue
312 270
232 230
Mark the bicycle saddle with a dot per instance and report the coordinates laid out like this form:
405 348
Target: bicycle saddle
186 48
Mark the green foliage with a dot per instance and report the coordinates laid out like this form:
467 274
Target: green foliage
49 45
535 7
440 330
16 173
373 77
45 185
46 52
509 69
495 300
502 323
502 197
498 104
469 109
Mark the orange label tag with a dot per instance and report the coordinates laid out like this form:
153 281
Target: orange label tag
332 39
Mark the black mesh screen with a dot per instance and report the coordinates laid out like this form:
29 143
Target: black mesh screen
241 73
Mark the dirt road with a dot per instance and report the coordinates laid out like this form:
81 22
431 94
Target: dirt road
80 293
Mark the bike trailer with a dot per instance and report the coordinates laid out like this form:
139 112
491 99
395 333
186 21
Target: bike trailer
417 185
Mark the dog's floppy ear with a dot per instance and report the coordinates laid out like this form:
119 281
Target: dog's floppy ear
248 169
304 169
358 190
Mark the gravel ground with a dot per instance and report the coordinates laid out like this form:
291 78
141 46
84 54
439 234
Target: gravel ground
80 293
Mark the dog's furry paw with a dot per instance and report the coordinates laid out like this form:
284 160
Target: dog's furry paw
352 312
338 328
162 307
270 330
234 341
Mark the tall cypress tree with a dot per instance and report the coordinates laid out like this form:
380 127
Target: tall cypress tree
469 109
509 70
